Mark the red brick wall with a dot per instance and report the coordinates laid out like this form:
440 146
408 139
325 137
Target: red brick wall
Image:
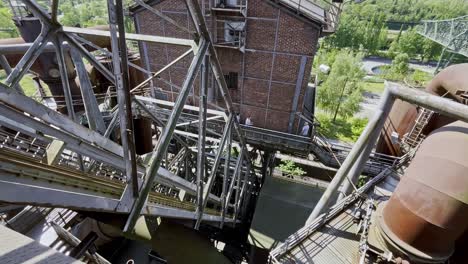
268 70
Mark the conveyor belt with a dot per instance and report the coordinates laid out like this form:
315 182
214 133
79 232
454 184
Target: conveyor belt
21 171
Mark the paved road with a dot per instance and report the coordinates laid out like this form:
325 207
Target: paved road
368 105
371 62
371 100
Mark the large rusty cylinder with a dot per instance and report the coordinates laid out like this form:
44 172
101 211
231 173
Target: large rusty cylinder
449 83
429 209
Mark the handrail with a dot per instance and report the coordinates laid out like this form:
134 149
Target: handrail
301 234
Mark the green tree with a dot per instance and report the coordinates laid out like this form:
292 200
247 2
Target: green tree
410 43
430 50
400 64
365 24
340 94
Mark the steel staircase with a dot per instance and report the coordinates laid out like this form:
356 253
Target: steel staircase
415 136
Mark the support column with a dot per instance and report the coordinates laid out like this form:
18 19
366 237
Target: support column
160 149
358 167
227 169
214 169
120 65
373 127
202 138
93 114
64 78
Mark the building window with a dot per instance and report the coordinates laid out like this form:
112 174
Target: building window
233 32
231 80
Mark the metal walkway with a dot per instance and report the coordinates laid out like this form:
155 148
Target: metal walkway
325 12
58 186
329 153
334 234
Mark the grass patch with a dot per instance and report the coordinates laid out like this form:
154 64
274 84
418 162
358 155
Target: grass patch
27 83
414 77
373 87
419 78
347 130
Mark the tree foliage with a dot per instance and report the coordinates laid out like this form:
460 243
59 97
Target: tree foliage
364 26
408 11
340 94
355 33
83 13
413 44
7 27
400 64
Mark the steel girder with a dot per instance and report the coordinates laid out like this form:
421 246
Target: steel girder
25 115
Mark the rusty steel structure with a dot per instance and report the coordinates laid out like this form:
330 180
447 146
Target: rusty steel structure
403 119
118 165
428 210
420 216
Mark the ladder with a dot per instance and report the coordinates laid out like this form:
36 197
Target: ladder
413 138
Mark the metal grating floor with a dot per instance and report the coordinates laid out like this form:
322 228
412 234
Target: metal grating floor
17 248
337 242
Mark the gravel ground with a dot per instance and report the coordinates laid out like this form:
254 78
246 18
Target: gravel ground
368 105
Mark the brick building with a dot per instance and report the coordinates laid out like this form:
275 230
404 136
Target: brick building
266 49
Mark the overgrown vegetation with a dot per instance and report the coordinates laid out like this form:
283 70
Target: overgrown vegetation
27 83
415 46
290 168
373 87
343 129
412 77
7 27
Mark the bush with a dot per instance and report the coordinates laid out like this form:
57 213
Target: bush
400 64
357 126
346 130
290 168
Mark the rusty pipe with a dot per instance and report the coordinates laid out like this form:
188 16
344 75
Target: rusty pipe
450 81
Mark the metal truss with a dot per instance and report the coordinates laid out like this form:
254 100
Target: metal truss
450 33
53 160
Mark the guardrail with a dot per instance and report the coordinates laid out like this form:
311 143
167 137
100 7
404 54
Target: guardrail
330 154
325 12
296 238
